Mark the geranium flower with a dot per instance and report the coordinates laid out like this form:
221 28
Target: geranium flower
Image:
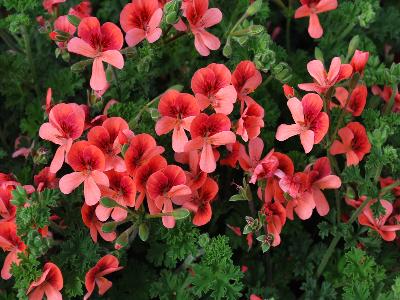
82 10
248 162
51 5
323 80
177 111
275 214
122 189
359 61
207 131
100 43
357 99
106 137
95 276
92 222
50 284
143 173
7 209
141 149
367 218
62 25
233 157
310 123
250 122
10 242
45 180
311 8
66 123
386 94
212 85
195 178
141 20
165 187
321 178
200 202
246 78
88 163
272 168
20 150
200 18
354 143
301 201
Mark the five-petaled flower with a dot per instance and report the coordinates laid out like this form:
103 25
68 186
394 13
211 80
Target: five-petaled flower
165 187
88 163
212 85
102 44
95 276
66 124
10 242
310 123
141 20
200 18
379 224
354 143
323 80
177 112
207 131
311 8
50 284
200 202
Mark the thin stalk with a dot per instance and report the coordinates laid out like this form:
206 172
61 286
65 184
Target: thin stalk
117 82
175 37
288 24
29 56
390 104
280 4
337 238
9 41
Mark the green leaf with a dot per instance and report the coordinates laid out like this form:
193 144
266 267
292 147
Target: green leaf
74 20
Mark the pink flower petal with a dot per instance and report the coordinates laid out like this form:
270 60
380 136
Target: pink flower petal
207 159
135 36
114 58
98 80
79 46
307 140
91 191
71 181
314 27
287 131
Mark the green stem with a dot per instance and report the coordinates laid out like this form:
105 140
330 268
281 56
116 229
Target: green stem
288 24
117 82
280 4
175 37
390 104
29 56
10 42
345 32
337 238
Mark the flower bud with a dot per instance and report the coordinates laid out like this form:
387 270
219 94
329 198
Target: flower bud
254 8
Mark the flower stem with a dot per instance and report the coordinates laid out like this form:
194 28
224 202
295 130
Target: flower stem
29 56
337 238
288 24
390 104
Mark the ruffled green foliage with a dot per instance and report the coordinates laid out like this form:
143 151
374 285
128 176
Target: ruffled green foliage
196 265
